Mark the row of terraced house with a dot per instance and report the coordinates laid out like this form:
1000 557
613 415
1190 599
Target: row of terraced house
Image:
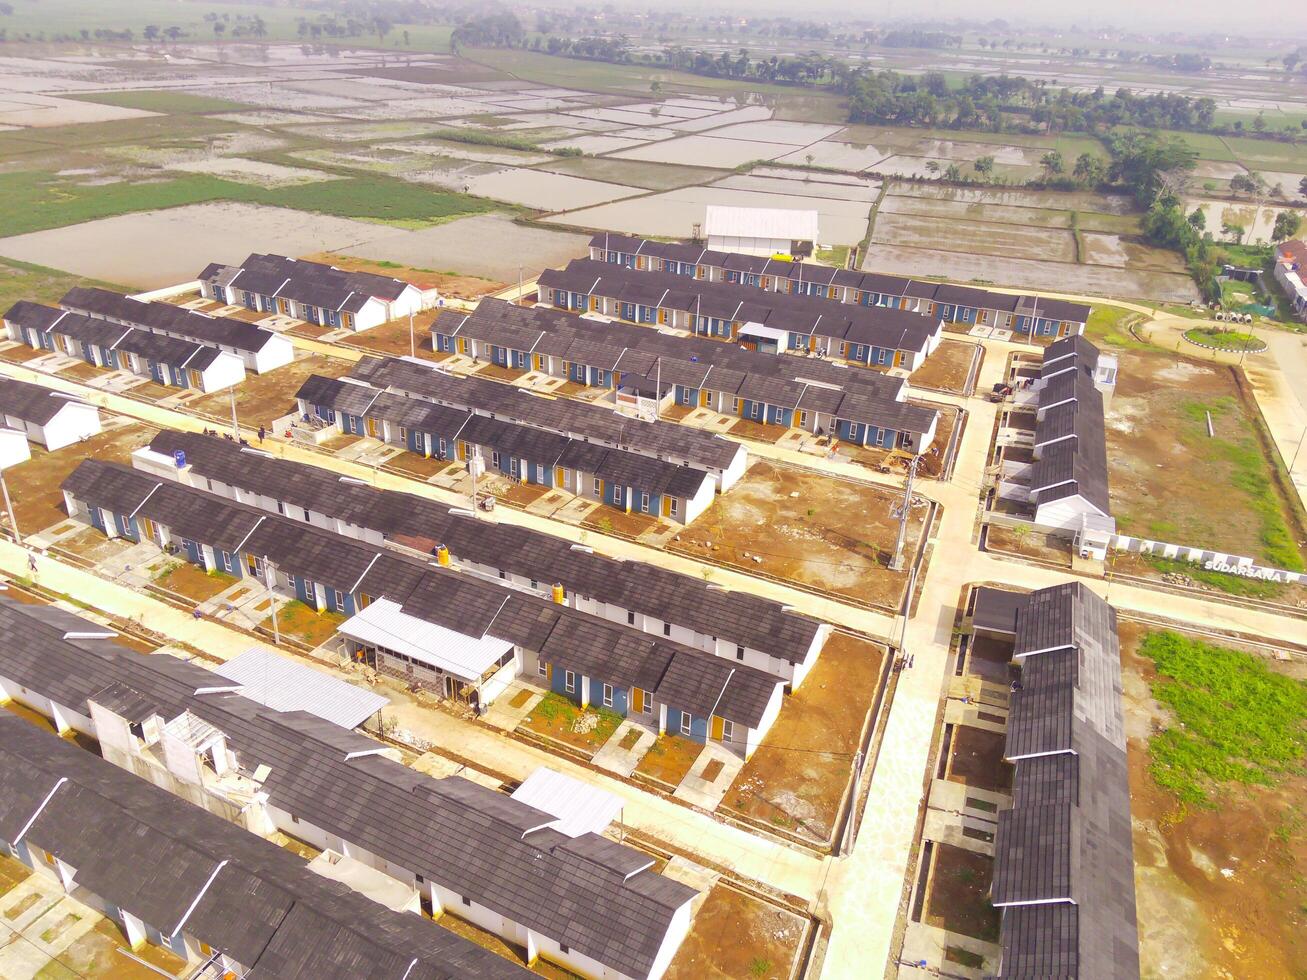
313 291
1033 316
464 637
648 371
656 468
184 740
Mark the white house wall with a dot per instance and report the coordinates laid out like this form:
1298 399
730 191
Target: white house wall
225 371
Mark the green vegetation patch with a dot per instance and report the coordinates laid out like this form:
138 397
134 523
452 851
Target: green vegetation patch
1238 585
1110 325
1250 475
1231 340
177 103
35 201
23 280
1237 721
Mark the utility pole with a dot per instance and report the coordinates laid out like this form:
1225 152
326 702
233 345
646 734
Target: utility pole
658 389
235 426
13 521
519 286
896 565
269 580
472 462
412 338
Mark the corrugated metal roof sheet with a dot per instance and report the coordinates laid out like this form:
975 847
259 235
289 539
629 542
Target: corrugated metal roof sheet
580 807
384 623
284 685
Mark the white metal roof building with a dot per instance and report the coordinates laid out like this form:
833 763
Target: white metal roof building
760 231
580 807
284 685
415 648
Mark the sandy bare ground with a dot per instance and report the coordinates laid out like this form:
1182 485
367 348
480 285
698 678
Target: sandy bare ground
156 248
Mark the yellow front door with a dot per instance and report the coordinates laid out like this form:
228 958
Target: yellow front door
462 345
252 564
667 506
898 358
549 673
637 700
462 449
540 362
197 381
717 728
705 397
372 428
284 306
558 476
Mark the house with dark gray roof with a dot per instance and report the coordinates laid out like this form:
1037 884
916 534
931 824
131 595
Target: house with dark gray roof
1032 316
584 902
643 368
462 637
739 626
313 291
762 320
172 874
54 419
1063 853
515 447
260 350
162 358
1064 475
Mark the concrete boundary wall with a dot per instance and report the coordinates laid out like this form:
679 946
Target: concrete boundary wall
1215 561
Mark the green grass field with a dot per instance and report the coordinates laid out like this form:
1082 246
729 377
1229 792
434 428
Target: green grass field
35 201
176 103
1237 720
22 280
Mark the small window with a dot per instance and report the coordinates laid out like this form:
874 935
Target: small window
535 584
306 515
503 574
674 507
739 653
686 721
644 503
599 485
667 629
569 682
630 617
340 600
608 695
563 948
542 668
728 731
494 457
466 901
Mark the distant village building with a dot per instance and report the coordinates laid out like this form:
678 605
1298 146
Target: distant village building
761 231
1290 265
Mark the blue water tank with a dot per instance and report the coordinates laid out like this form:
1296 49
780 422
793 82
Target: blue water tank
179 457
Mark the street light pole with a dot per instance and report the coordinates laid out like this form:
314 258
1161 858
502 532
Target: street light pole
13 521
235 426
412 338
270 579
897 563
